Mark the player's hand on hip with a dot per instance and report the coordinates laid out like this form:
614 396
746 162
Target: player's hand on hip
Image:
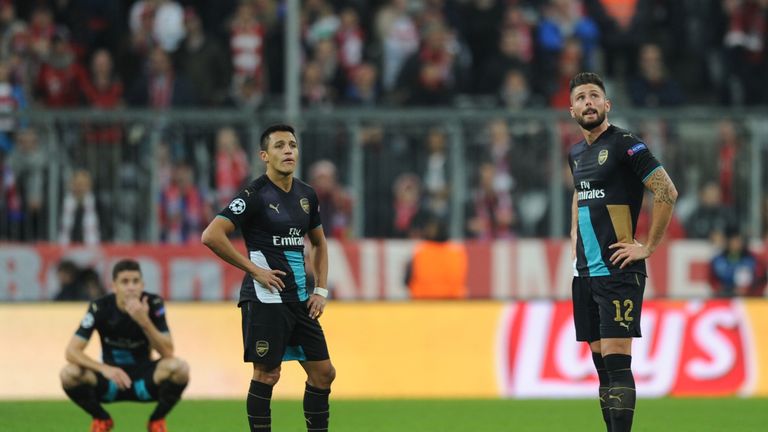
316 305
137 309
627 253
270 279
117 375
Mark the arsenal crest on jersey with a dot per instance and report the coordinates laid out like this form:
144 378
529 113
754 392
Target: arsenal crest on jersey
304 205
602 156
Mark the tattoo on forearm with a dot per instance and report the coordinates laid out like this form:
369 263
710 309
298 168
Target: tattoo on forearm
662 187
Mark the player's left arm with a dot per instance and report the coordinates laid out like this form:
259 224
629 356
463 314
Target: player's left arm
638 158
155 330
319 261
664 198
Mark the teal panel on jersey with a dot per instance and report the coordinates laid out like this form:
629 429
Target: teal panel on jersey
123 357
296 261
111 393
294 353
591 246
140 388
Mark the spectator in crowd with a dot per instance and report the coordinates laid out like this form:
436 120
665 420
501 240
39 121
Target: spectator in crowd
77 284
28 163
481 27
623 26
203 62
510 57
162 21
315 92
735 270
500 155
516 21
335 201
41 31
431 76
491 213
247 45
363 89
10 202
732 163
569 64
563 20
350 40
12 99
246 94
745 51
653 87
711 216
438 269
161 87
60 76
323 25
10 25
66 276
326 57
81 221
515 93
407 206
399 38
435 174
102 89
231 166
182 208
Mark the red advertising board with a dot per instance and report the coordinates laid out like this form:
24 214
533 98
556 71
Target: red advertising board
687 348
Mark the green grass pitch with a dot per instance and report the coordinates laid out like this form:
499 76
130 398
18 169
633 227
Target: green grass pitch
653 415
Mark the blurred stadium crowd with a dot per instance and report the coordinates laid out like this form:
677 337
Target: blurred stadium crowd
508 55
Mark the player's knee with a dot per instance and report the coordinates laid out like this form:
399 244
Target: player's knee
179 370
268 377
71 375
324 377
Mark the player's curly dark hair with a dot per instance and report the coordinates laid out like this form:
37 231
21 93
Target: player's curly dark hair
264 143
125 265
582 78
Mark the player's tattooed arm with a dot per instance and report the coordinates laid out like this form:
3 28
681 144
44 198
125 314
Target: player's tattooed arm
661 185
664 198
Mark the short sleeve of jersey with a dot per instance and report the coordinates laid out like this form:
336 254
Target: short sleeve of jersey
570 162
638 157
88 323
242 209
314 212
157 313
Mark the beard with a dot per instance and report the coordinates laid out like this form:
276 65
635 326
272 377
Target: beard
589 125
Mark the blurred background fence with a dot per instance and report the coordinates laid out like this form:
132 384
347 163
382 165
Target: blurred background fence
160 176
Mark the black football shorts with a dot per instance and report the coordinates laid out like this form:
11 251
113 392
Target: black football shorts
277 332
143 387
608 306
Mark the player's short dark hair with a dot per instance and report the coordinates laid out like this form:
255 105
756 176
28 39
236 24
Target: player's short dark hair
582 78
125 265
264 143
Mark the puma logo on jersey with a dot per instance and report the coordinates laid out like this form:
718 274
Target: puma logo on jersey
274 207
247 192
625 325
